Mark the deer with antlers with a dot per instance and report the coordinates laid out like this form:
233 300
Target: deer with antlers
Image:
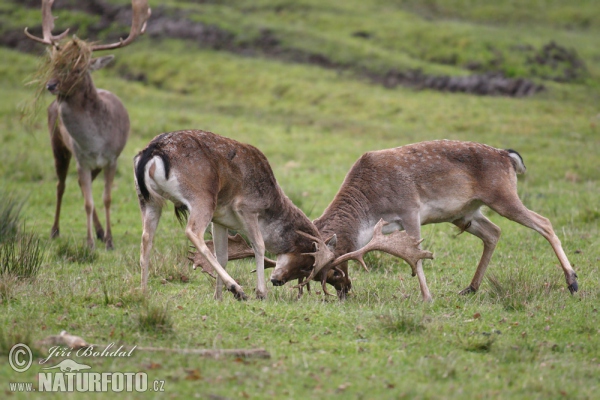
212 178
84 121
425 183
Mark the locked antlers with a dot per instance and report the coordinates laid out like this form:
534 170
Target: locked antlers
397 243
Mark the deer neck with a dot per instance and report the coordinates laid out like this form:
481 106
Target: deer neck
347 216
281 223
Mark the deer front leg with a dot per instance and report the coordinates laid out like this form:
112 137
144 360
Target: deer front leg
97 224
412 226
250 222
197 223
220 243
85 183
109 176
62 159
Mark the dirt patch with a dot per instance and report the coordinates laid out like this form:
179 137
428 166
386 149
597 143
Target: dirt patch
490 84
174 23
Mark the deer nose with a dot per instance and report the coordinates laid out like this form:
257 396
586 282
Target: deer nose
51 86
277 282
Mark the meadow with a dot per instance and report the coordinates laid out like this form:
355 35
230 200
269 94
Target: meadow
522 335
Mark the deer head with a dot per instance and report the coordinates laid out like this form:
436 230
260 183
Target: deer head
70 62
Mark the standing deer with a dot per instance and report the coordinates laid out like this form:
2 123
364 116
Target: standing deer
85 121
425 183
212 178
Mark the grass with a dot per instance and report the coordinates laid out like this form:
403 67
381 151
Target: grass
521 336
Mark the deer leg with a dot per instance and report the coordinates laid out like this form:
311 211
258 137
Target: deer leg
97 224
85 183
250 223
109 176
150 218
197 224
219 234
489 233
62 159
514 210
412 226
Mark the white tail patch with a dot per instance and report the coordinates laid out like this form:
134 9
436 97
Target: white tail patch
517 161
159 186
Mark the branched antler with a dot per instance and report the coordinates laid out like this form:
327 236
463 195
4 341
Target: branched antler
397 243
47 26
322 256
141 13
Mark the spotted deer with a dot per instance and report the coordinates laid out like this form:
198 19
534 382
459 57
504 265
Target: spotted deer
84 121
425 183
213 178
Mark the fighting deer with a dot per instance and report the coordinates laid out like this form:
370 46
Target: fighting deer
212 178
425 183
84 121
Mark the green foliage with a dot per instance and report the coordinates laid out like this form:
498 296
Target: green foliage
154 319
75 253
22 256
10 211
21 252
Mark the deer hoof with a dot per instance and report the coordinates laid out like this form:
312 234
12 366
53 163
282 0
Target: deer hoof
109 244
238 293
100 234
468 290
54 233
573 287
261 296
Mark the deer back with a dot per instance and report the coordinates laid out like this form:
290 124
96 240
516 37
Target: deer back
439 179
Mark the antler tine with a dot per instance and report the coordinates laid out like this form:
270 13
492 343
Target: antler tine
397 243
47 26
141 13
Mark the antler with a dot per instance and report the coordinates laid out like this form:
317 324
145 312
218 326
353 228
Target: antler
322 256
397 243
141 13
237 248
47 26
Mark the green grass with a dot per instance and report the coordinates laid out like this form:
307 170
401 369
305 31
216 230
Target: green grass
521 336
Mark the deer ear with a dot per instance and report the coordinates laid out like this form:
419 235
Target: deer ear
100 62
331 242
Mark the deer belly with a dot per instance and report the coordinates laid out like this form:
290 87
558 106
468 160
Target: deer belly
444 210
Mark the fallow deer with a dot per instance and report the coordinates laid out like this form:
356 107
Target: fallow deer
425 183
84 121
212 178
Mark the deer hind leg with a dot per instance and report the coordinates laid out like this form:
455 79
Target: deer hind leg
252 230
109 176
514 210
150 217
97 224
489 233
197 224
219 234
62 159
412 226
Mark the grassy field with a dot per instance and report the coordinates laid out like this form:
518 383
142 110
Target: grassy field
521 336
